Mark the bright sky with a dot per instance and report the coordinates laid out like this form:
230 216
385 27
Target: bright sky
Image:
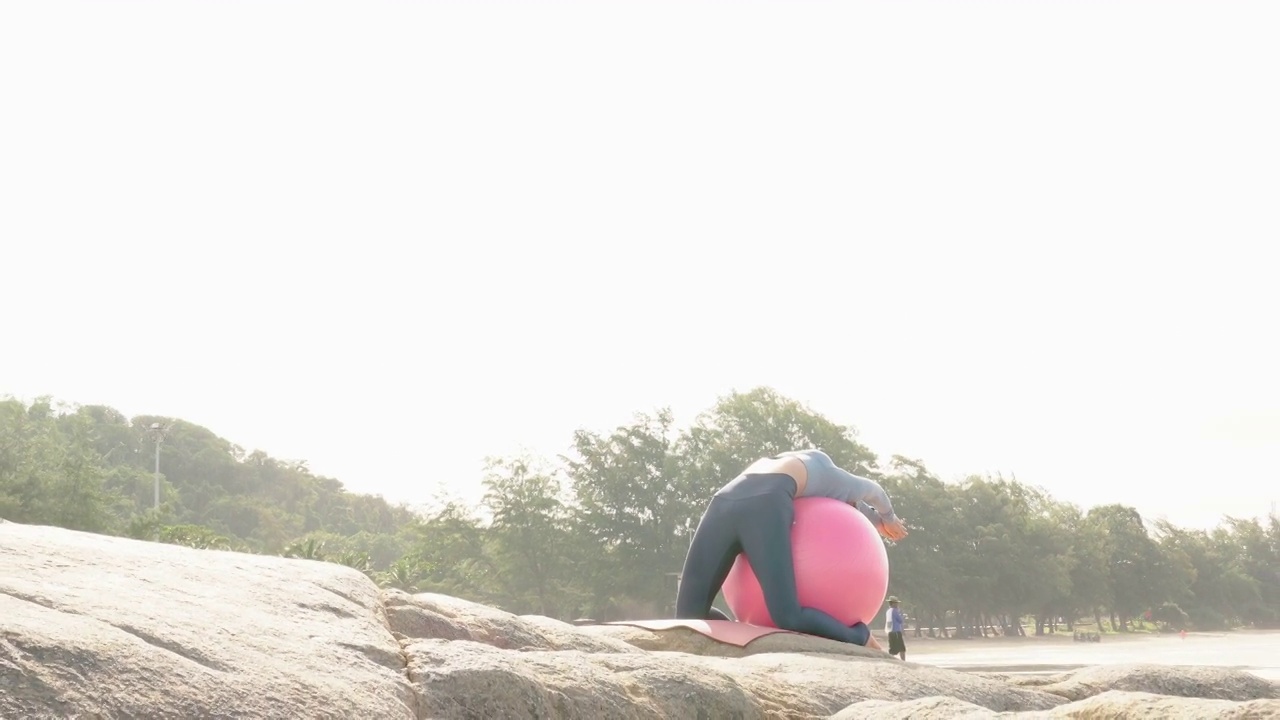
392 238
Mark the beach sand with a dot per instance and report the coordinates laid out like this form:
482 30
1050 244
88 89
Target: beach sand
1252 650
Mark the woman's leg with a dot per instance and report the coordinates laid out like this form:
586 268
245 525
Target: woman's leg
765 534
711 554
716 614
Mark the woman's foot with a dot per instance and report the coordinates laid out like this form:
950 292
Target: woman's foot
861 630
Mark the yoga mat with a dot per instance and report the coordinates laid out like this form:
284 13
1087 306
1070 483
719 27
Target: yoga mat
725 631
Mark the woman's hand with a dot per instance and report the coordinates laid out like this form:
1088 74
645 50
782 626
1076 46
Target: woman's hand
894 529
873 643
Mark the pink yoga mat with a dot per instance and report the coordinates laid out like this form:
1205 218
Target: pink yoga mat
732 633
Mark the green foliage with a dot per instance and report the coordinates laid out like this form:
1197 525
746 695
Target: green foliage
929 566
49 474
1171 616
528 536
90 468
743 427
404 574
601 531
308 549
634 512
194 536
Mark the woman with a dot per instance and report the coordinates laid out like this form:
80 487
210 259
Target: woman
753 515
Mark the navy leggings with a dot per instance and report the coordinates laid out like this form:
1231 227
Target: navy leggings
753 515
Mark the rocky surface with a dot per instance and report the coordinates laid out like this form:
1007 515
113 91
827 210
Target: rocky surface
695 643
440 617
93 626
109 627
1203 682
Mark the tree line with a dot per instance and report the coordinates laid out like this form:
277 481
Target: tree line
601 530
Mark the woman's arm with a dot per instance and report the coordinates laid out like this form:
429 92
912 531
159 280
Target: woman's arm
866 491
872 514
826 479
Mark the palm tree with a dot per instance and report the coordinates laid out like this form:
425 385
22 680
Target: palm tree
403 574
358 560
309 549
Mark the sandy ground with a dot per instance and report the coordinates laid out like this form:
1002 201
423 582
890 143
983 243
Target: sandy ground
1255 651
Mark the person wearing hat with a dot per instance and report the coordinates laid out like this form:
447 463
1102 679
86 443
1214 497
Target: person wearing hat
894 623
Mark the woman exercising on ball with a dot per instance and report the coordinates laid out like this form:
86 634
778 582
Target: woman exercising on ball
753 515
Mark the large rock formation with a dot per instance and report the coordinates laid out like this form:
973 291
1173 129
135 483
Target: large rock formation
93 626
116 628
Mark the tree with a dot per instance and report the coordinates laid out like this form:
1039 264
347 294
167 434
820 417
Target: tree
308 549
601 532
1042 559
743 427
984 551
636 507
1257 557
50 471
1170 616
194 536
527 537
404 574
923 568
451 555
1089 577
1128 550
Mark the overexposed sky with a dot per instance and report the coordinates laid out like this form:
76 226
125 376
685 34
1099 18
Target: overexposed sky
392 238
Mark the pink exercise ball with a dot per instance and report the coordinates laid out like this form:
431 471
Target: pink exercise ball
840 564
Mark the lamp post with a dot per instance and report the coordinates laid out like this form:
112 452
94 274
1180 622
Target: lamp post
157 433
677 576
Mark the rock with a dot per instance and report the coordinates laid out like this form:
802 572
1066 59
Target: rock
1201 682
96 626
929 708
695 643
428 615
102 627
1120 705
461 679
832 682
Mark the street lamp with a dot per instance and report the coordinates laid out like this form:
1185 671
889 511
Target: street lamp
678 577
157 433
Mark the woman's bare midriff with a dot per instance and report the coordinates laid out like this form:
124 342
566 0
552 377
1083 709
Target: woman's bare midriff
787 466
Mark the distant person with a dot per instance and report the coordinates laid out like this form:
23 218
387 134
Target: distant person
753 514
894 623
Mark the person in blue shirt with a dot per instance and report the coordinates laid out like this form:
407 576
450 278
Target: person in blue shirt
752 515
895 623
